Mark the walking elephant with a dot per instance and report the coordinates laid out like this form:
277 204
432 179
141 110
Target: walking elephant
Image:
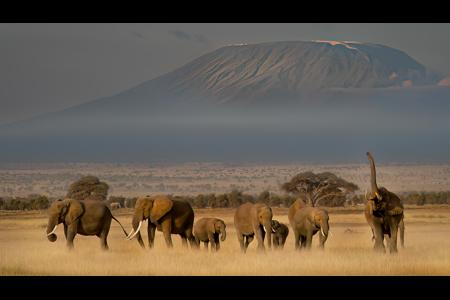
207 230
171 216
384 213
306 222
253 220
280 235
115 205
86 217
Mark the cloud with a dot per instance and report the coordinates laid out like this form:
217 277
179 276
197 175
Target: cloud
191 37
137 34
180 34
201 38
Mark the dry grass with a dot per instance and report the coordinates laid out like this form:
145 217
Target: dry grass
25 251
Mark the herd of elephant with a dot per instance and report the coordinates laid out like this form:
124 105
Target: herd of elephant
383 212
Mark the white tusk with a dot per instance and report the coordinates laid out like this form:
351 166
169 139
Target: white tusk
264 228
330 232
52 230
367 197
379 197
273 231
321 230
130 236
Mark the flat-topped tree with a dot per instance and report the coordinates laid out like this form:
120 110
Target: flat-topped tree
316 187
89 187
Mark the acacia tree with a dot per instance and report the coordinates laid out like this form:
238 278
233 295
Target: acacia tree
89 187
315 187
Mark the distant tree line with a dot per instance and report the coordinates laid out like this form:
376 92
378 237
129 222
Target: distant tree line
325 187
41 202
423 198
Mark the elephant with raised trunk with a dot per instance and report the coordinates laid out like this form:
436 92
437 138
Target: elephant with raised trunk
306 221
384 213
169 215
85 217
253 220
207 230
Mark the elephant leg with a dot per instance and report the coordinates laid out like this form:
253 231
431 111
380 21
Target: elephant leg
212 239
104 236
302 241
103 240
248 240
151 235
183 240
379 237
275 242
206 245
401 228
70 232
322 240
297 239
393 240
260 238
191 238
240 238
166 227
168 238
216 243
309 236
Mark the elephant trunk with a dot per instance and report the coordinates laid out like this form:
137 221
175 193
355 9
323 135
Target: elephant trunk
51 227
137 223
324 230
223 235
373 179
324 235
267 225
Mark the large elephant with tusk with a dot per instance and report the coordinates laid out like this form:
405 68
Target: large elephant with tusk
306 221
384 213
169 215
253 220
85 217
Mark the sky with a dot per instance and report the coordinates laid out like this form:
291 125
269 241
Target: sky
50 67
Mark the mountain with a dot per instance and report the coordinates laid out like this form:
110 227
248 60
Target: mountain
293 69
260 101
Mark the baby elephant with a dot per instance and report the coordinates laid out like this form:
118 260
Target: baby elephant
207 230
280 235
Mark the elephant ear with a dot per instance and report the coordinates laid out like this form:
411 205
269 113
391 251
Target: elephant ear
392 210
311 217
161 206
210 226
394 206
75 210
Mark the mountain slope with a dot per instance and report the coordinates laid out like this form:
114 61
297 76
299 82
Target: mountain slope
270 101
292 69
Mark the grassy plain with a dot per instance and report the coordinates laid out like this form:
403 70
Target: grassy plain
24 250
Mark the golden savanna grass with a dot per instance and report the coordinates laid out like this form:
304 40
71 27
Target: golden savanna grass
24 250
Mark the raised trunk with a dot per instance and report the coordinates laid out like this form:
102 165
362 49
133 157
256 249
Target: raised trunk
373 177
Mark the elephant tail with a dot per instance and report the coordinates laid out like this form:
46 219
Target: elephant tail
126 234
